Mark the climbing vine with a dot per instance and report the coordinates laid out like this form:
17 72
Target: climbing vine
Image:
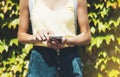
101 58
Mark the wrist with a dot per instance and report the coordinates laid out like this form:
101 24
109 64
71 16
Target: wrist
67 40
70 40
34 39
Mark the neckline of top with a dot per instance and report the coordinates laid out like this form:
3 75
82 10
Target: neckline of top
56 9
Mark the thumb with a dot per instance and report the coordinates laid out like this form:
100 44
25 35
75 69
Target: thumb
64 40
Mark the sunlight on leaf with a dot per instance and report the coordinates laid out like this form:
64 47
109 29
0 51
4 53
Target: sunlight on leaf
108 39
14 41
2 16
100 75
99 41
13 24
118 3
27 48
102 67
118 61
101 27
117 50
104 12
113 73
99 6
118 39
104 54
98 63
113 58
92 29
1 48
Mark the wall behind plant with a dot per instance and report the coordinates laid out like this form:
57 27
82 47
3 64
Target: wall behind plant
101 58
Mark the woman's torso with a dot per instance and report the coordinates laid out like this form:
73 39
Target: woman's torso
60 21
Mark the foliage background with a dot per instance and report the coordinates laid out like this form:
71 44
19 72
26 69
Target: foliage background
101 58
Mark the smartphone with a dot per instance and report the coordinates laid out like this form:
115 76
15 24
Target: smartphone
55 37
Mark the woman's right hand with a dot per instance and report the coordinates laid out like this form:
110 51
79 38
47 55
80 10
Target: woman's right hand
43 35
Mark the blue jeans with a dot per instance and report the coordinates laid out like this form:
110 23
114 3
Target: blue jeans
47 62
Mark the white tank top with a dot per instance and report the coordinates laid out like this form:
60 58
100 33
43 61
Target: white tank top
60 21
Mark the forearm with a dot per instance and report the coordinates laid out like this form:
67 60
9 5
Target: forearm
26 38
84 37
81 39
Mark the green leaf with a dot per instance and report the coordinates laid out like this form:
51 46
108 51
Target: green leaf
108 38
99 41
117 50
98 63
93 41
13 24
118 61
113 73
27 48
118 3
102 67
112 37
12 60
4 24
101 27
93 15
93 30
96 41
100 75
113 58
102 53
1 48
104 12
97 6
2 16
111 22
14 41
96 21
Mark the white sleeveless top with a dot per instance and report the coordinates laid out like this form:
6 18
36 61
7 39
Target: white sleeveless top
60 21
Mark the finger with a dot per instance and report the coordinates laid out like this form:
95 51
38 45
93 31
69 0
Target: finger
58 45
38 37
42 36
49 32
57 41
46 36
52 44
64 40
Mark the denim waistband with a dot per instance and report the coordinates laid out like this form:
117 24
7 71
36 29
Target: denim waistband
51 50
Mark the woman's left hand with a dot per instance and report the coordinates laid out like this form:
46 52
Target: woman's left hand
56 44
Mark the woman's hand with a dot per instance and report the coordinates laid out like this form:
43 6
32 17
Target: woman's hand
43 35
56 44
